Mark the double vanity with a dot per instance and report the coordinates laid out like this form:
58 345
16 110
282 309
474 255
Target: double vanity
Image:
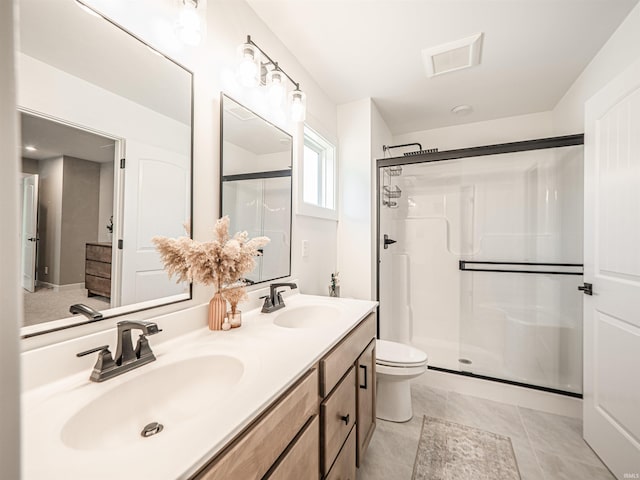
289 395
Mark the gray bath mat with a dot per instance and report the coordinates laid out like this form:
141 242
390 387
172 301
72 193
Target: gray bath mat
449 451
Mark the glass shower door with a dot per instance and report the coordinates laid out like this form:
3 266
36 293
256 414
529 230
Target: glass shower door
515 212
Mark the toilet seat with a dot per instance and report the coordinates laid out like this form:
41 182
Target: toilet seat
399 355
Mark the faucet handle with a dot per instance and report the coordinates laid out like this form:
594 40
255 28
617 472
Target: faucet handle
143 350
105 362
103 348
267 304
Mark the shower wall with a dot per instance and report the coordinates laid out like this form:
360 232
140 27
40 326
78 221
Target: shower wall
519 207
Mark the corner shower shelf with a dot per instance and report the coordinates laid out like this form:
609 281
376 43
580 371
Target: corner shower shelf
392 192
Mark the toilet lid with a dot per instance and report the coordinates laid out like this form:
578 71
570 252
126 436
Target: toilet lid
398 354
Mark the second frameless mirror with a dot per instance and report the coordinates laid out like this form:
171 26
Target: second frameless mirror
256 159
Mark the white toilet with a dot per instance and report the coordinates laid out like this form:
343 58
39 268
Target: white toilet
396 364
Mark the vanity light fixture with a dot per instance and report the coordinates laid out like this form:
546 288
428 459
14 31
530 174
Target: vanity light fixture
256 68
298 105
277 89
249 66
188 27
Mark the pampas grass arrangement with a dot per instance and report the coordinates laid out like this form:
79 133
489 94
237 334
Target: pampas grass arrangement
221 262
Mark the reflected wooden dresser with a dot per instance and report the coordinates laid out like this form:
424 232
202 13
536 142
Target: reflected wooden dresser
97 269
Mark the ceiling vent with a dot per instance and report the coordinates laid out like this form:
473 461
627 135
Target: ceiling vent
452 56
241 113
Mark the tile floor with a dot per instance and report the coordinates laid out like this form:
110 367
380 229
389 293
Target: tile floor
547 446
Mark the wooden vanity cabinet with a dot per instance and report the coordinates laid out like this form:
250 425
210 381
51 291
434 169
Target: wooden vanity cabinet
301 460
343 441
366 399
268 443
319 428
344 467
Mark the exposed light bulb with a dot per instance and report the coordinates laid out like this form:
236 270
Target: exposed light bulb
249 66
277 89
30 148
298 105
188 27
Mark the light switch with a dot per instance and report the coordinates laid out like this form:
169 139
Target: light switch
305 248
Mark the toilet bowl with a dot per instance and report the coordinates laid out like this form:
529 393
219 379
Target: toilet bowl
396 364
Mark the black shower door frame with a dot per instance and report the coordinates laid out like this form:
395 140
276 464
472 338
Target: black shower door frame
446 155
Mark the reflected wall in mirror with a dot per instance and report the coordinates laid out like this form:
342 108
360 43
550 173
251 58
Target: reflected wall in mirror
106 165
256 161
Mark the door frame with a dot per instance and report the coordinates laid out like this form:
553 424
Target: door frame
118 191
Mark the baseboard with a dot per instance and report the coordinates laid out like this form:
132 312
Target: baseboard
505 393
60 288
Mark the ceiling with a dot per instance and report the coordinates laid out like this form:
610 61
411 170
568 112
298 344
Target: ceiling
96 51
54 139
245 129
533 50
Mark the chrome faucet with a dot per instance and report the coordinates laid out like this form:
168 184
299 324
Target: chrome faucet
127 358
85 310
273 301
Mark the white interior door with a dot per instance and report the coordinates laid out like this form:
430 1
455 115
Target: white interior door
29 231
612 265
156 202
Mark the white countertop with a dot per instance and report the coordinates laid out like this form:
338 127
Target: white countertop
273 358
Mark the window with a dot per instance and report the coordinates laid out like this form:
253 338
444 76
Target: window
318 192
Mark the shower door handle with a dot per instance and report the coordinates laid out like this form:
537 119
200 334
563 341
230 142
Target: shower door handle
587 288
388 241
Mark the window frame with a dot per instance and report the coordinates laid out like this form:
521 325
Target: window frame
325 149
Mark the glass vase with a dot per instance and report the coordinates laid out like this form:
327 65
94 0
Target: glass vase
235 318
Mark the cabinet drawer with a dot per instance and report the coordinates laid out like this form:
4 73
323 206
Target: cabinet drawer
338 360
338 414
255 451
99 285
98 269
99 253
345 466
301 461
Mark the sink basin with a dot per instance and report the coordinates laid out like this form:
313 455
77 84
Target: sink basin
169 395
308 316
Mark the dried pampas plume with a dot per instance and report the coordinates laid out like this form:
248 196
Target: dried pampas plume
234 296
222 261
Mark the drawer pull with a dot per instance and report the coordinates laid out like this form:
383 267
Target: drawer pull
364 367
345 419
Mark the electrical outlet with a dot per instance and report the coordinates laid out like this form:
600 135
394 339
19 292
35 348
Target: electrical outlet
305 248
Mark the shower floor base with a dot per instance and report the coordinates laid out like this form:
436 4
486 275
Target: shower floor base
503 392
483 364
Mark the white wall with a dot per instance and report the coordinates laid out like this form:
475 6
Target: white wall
490 132
10 251
227 25
362 132
620 51
355 190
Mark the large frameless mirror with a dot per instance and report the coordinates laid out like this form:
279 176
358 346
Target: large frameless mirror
256 159
106 152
